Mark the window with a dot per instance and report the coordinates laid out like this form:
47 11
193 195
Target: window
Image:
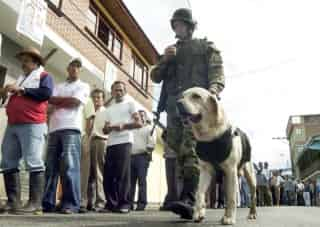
139 73
103 32
92 19
99 26
296 120
110 40
299 148
299 131
117 48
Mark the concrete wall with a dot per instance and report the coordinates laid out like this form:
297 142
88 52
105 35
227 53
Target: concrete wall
7 59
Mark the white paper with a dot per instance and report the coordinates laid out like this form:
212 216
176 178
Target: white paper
32 19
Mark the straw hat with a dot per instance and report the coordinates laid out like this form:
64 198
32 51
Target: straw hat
33 52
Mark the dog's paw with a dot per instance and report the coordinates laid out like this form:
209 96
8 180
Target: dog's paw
199 215
199 219
227 221
252 216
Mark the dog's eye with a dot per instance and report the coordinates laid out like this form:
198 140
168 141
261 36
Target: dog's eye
195 96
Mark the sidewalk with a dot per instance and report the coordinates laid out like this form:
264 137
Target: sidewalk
267 217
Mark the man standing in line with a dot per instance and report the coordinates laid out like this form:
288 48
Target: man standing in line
86 155
144 144
64 144
25 134
266 187
98 150
120 118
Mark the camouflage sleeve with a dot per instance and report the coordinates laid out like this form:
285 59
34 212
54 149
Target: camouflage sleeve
215 70
158 73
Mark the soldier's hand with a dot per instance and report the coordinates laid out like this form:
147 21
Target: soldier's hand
170 52
214 93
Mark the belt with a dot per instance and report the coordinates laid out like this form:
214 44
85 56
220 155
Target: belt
98 138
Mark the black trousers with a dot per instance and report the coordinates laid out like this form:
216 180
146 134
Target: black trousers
139 171
116 181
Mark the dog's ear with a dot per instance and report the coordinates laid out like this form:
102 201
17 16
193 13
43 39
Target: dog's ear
213 103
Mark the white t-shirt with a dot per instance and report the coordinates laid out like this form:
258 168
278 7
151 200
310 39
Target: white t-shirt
69 118
266 173
279 180
120 113
143 140
300 187
276 180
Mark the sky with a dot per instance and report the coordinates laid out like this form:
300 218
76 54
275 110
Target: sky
270 50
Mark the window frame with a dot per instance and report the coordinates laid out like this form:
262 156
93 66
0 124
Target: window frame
56 9
299 131
93 10
111 33
143 84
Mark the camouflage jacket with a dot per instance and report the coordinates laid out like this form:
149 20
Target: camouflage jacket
197 63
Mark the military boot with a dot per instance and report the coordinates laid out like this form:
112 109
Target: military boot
185 207
36 187
13 190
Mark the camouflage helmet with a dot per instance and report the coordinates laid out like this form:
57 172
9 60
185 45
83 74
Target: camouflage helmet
185 15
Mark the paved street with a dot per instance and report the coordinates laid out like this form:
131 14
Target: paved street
268 217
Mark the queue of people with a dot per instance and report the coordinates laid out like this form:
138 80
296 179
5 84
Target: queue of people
98 151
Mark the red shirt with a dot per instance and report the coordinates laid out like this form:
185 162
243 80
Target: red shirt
32 107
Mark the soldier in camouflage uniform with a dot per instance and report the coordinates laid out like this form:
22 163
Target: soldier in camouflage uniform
190 62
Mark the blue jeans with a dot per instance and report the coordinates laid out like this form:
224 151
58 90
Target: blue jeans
245 197
63 159
25 141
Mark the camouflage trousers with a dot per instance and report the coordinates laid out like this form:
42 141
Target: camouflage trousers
181 140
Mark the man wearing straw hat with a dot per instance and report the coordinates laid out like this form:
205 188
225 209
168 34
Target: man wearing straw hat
26 107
